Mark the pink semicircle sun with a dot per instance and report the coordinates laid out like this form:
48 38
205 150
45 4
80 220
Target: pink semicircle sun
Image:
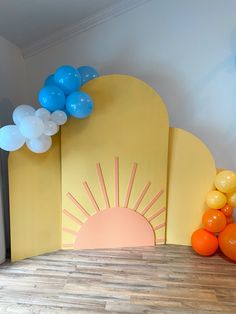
114 228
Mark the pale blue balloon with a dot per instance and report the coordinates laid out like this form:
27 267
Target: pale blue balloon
11 138
67 78
52 98
79 105
87 73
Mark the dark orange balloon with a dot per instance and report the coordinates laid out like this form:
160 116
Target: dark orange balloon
227 241
229 219
213 220
204 242
227 210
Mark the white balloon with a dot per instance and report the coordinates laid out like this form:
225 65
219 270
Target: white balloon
50 128
21 112
40 144
31 127
43 114
10 138
59 117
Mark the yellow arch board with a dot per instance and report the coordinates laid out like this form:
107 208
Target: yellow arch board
35 201
130 122
191 176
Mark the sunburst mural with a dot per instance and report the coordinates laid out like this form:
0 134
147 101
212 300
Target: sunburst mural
115 225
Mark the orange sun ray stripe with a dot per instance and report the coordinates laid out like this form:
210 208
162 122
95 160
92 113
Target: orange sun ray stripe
153 201
131 181
139 200
72 217
68 245
158 227
102 185
91 197
77 204
116 182
70 231
160 240
156 214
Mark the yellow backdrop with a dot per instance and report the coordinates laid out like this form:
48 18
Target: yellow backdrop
35 201
130 122
191 175
117 157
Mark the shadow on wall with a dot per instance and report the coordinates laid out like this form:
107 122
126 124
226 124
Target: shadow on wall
6 109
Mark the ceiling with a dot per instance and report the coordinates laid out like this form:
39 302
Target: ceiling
24 22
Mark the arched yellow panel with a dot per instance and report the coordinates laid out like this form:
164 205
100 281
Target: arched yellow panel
191 175
35 201
116 158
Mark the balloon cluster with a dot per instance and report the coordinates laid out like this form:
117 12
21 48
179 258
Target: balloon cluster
33 127
61 91
219 229
60 98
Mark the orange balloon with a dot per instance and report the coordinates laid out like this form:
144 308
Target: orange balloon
227 210
213 220
229 219
227 241
204 242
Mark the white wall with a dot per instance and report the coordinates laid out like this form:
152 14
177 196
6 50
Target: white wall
12 79
12 93
185 49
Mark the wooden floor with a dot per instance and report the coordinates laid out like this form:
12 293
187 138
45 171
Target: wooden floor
165 279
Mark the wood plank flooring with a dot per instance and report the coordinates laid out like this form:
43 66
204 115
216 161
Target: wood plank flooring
164 280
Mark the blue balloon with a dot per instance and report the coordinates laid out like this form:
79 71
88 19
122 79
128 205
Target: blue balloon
87 73
68 79
52 98
49 80
79 105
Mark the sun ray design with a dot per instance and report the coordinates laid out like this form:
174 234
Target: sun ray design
153 201
77 204
72 217
130 185
140 198
160 241
91 197
160 226
160 211
116 226
70 231
116 182
102 185
68 245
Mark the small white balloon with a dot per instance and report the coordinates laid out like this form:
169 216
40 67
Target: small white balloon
11 138
50 128
21 112
59 117
40 145
31 127
43 114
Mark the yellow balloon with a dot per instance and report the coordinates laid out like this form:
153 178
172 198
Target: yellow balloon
231 200
218 170
216 199
225 181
